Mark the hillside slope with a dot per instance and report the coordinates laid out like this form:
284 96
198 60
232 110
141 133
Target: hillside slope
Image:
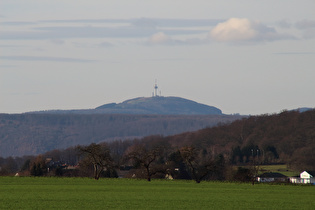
288 137
31 134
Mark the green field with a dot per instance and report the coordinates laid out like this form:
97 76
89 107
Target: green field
283 169
85 193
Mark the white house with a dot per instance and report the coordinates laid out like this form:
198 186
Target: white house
306 177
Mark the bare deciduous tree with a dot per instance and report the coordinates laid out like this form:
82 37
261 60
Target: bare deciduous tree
147 159
199 163
97 155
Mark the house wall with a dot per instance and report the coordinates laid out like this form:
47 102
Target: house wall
260 179
271 179
305 175
297 180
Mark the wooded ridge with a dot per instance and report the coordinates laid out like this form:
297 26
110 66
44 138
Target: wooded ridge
288 137
32 134
206 154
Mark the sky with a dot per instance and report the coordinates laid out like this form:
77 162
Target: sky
246 56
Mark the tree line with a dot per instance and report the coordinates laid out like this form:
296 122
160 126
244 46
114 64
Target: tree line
150 157
225 152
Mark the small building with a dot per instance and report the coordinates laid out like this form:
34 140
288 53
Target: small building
272 177
306 177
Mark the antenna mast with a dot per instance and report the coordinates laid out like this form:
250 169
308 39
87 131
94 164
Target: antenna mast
155 90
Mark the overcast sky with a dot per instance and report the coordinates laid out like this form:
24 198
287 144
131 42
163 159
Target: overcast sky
245 56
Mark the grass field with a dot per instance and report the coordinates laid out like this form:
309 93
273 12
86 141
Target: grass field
85 193
283 169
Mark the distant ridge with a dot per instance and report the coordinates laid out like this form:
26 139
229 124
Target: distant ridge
160 105
157 105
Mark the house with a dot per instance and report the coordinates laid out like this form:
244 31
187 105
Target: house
272 177
306 177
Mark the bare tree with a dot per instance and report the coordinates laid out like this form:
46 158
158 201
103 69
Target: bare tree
147 159
199 163
96 155
38 166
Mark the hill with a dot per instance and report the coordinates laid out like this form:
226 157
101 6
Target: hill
288 137
32 134
160 105
148 105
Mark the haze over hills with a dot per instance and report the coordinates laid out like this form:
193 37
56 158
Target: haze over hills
37 132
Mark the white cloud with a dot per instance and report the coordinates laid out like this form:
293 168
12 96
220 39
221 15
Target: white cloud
234 29
244 30
159 38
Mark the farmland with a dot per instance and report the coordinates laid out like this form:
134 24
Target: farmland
84 193
283 169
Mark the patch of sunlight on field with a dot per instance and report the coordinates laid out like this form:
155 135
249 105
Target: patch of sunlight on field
85 193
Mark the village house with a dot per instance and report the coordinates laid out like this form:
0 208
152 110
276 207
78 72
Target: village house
306 177
272 177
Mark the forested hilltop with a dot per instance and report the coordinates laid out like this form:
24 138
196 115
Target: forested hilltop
32 134
157 105
288 137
